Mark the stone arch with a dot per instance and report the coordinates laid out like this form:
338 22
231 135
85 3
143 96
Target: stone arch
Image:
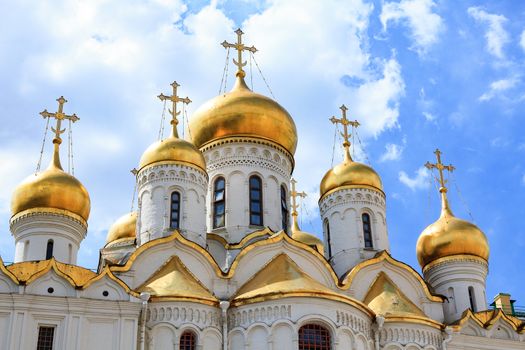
163 336
283 335
257 337
236 339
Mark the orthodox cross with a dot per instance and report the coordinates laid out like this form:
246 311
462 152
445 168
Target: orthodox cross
240 47
59 116
174 113
294 194
346 135
440 167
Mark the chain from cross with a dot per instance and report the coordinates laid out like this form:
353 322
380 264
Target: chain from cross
345 123
174 113
59 116
294 194
440 167
240 47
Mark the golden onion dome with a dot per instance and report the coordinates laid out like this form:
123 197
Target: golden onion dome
450 236
350 173
173 149
243 113
306 238
124 227
52 188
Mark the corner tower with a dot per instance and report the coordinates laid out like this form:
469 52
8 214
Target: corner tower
248 141
172 183
353 209
453 254
50 209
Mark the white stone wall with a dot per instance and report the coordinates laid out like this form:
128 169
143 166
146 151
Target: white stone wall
80 324
236 161
34 230
155 186
452 278
344 209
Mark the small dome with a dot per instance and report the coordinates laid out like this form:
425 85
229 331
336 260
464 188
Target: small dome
307 238
350 173
124 227
52 188
243 113
450 236
173 149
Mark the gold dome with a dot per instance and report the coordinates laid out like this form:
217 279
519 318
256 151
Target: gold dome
52 188
124 227
173 149
306 238
350 173
450 236
243 113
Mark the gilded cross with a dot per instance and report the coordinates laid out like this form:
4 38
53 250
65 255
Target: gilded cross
59 116
345 123
294 194
174 113
240 47
440 167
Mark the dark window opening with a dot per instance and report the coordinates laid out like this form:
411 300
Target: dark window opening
328 238
219 202
187 341
284 209
314 337
367 230
472 299
175 210
45 338
49 249
256 207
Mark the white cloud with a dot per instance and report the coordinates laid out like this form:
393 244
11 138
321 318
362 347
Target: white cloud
419 181
424 24
429 117
392 152
495 34
426 106
522 40
498 87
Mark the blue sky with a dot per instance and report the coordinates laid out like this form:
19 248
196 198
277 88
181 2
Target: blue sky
417 74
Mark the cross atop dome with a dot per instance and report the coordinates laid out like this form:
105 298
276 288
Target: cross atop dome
59 115
174 98
346 135
294 195
240 47
440 167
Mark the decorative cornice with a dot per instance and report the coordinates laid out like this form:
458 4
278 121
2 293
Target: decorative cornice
455 258
48 211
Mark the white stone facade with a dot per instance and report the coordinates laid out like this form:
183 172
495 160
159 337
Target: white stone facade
341 214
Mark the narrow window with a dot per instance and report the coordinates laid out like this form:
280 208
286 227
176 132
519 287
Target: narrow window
70 253
367 230
472 299
26 250
219 200
313 336
256 201
175 210
284 209
328 238
49 249
45 338
187 341
452 300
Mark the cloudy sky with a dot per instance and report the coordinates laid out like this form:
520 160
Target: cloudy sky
417 74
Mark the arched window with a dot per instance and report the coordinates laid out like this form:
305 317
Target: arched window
284 209
367 231
328 238
256 207
49 249
175 210
472 299
219 202
187 341
314 337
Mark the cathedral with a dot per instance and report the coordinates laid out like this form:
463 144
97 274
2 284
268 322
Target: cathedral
214 257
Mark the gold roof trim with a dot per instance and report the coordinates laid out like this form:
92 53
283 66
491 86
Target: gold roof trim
385 298
385 256
107 272
48 210
173 280
415 319
488 318
345 187
175 236
259 233
7 272
28 271
282 277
